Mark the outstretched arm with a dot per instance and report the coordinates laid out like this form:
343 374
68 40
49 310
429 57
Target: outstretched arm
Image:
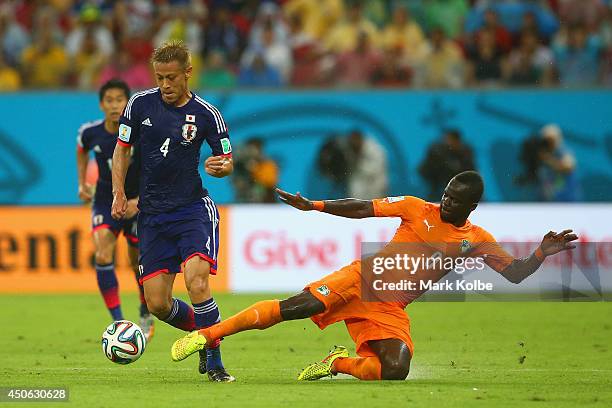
346 207
552 243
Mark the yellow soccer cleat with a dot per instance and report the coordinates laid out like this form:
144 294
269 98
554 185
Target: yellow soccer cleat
323 368
187 345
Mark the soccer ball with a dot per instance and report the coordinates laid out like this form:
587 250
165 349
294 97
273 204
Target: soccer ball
123 342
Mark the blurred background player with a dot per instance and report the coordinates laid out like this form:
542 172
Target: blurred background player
178 222
100 136
381 329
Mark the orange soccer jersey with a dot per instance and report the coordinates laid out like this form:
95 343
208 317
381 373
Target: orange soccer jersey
421 225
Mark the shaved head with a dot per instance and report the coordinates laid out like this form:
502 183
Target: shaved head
461 197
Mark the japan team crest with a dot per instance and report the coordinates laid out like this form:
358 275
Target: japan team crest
189 132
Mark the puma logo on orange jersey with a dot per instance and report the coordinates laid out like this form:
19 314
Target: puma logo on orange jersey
427 225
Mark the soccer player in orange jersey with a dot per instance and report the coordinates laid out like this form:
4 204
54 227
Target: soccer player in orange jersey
381 330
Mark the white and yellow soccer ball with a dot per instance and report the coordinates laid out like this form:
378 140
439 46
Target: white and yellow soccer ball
123 342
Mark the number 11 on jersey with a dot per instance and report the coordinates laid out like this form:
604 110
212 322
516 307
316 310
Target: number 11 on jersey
164 147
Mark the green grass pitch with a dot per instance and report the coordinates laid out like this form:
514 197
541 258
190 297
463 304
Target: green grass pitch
479 354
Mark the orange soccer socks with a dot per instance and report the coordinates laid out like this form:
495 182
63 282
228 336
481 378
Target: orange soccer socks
367 368
260 316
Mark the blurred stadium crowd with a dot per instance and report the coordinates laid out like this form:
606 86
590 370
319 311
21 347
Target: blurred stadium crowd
306 43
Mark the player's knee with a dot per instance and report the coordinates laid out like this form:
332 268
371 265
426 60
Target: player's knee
395 369
104 257
196 274
159 307
197 284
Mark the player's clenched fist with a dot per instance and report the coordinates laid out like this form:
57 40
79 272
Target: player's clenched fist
218 166
119 205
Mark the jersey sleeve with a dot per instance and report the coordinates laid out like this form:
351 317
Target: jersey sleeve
404 207
129 124
83 139
492 252
217 135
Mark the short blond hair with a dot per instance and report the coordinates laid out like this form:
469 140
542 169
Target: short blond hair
173 50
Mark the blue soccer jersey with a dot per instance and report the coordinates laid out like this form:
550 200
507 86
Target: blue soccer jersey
94 136
170 139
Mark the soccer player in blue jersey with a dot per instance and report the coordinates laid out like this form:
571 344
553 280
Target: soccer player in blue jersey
178 223
100 136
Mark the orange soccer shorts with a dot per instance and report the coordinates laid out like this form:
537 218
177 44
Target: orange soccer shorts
340 292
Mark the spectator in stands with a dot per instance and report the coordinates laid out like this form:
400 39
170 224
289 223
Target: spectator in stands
221 34
216 73
318 17
404 34
377 11
182 24
255 175
256 73
44 64
13 38
557 173
529 23
515 16
485 60
90 24
136 74
392 72
531 63
269 17
503 38
308 69
585 12
447 15
356 67
118 22
130 23
541 22
297 36
578 58
10 80
367 166
24 13
319 32
46 19
345 34
87 64
275 51
443 66
444 160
